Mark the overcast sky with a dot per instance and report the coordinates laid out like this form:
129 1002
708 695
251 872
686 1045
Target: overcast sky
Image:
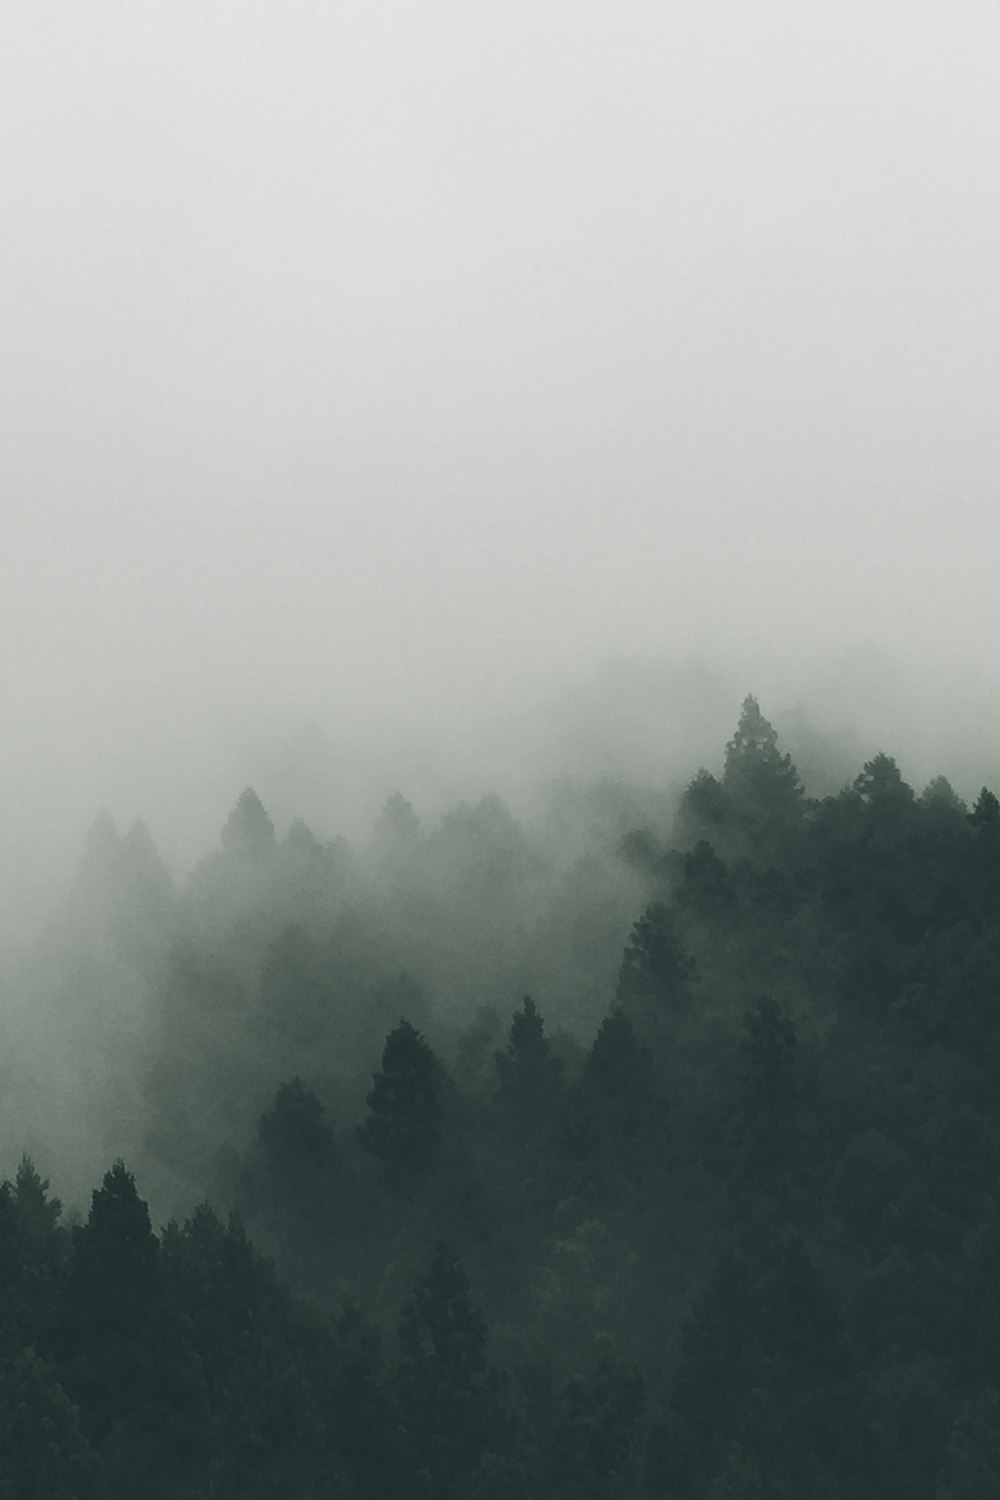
403 356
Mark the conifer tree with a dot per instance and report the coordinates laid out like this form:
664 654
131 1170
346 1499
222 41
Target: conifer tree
403 1128
656 971
762 781
293 1170
449 1393
529 1074
248 829
44 1455
126 1359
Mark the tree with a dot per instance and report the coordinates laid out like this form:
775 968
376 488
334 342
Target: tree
403 1128
43 1453
248 829
762 782
293 1170
593 1449
126 1361
985 815
706 888
705 804
616 1113
656 971
448 1391
32 1257
529 1074
880 785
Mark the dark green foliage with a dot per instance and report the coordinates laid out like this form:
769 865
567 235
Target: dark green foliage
617 1078
770 1050
616 1113
764 1371
449 1395
403 1128
786 1286
123 1347
290 1182
43 1453
985 816
656 971
706 812
761 781
293 1137
706 888
529 1075
593 1448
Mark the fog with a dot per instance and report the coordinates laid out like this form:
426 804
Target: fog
388 390
499 844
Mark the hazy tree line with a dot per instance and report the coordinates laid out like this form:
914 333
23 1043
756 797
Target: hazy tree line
655 1156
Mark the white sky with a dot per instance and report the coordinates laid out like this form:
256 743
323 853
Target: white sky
386 358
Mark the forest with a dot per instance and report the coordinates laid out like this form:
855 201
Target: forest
645 1149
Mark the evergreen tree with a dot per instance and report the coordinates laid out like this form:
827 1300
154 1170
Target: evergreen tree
448 1392
761 781
248 829
126 1359
403 1128
616 1115
880 786
656 971
529 1074
593 1449
705 813
43 1453
985 815
293 1170
706 889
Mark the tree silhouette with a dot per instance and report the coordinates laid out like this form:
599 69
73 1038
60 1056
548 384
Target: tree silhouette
403 1128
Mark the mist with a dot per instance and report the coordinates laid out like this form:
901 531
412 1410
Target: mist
390 370
499 510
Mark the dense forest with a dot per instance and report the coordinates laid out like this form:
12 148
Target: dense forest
648 1150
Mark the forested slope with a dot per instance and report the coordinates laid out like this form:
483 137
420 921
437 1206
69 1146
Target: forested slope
716 1213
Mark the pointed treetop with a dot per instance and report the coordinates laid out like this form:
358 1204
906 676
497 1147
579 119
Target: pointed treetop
753 732
248 828
940 794
755 743
300 839
763 781
986 813
880 781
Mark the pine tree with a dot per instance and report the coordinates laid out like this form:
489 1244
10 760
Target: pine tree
762 782
617 1116
248 829
529 1074
592 1446
403 1128
126 1360
449 1393
43 1453
656 972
